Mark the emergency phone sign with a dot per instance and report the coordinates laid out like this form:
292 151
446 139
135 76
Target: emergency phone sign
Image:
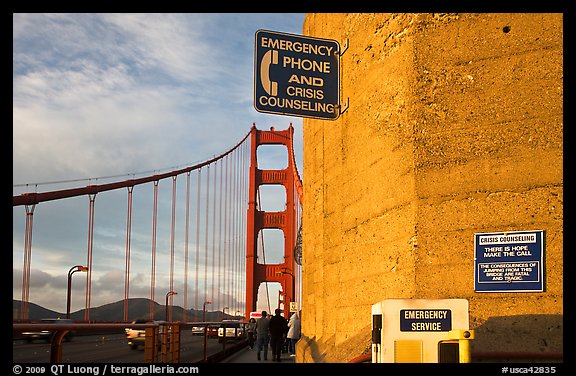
509 261
296 75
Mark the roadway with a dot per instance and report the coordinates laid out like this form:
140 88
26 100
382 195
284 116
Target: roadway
108 348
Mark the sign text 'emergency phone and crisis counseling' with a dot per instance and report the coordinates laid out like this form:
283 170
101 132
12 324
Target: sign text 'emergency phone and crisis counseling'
296 75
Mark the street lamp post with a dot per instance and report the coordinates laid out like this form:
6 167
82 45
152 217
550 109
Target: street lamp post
169 293
281 272
74 269
204 310
224 311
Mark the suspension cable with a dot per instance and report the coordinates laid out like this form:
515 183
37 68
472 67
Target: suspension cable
34 197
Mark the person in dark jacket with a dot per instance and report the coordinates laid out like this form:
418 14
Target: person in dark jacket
262 335
278 331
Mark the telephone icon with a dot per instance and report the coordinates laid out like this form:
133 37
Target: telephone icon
269 58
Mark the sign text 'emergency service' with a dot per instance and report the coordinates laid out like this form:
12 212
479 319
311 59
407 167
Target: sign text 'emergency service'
296 75
425 320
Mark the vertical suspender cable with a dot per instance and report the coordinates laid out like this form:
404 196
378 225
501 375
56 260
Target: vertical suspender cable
238 223
242 232
228 236
232 234
234 231
91 197
239 234
235 237
172 233
128 235
206 236
153 272
27 262
196 306
242 256
238 231
244 219
220 237
224 267
185 318
212 253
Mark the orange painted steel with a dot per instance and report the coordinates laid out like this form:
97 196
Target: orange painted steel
257 220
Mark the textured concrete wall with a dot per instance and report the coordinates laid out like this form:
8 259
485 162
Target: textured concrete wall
454 128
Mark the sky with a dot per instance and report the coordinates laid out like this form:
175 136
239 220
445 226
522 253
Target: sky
103 97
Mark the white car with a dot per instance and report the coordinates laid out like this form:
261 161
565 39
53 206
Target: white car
137 337
198 330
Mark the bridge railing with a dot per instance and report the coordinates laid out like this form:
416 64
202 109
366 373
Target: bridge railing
169 349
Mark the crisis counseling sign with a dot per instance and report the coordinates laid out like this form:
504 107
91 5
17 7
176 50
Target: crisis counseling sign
509 261
296 75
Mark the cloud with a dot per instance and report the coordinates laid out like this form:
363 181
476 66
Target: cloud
172 44
100 95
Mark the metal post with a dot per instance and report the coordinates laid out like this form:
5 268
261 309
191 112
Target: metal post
169 293
204 310
74 269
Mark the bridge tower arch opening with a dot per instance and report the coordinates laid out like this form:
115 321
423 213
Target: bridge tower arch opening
270 246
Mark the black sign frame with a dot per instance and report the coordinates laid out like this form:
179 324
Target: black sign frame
296 75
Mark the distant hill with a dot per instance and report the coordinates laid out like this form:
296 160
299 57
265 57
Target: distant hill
138 308
35 312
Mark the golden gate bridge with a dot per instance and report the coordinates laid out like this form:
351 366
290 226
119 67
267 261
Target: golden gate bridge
224 250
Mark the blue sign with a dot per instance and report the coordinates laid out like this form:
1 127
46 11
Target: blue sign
296 75
509 261
425 320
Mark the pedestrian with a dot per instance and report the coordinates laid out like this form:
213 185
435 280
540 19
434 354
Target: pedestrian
278 331
251 327
262 335
293 333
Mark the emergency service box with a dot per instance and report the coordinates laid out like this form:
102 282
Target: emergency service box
421 331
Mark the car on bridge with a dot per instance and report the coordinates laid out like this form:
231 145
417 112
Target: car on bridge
211 330
46 335
234 330
198 330
137 337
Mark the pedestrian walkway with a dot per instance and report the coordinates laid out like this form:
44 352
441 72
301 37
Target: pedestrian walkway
248 355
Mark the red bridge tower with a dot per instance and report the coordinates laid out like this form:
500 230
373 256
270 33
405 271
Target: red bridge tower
257 220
